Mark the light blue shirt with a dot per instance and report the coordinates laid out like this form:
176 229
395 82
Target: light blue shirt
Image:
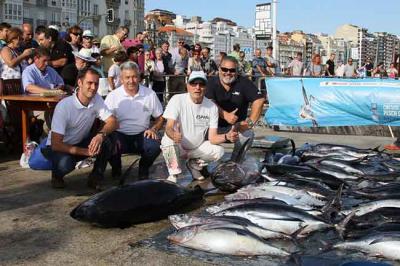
48 79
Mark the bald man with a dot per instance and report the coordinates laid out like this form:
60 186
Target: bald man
27 35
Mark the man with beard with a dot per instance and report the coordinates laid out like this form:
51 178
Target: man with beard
232 94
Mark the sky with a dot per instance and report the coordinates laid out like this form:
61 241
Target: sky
311 16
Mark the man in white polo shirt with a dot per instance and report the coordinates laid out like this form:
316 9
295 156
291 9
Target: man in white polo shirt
70 138
189 116
133 105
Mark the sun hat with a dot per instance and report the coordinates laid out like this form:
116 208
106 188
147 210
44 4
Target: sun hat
85 54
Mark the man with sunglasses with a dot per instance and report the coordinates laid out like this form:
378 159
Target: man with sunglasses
111 44
189 116
87 42
232 94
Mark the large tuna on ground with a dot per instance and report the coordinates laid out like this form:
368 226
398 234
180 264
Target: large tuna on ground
139 202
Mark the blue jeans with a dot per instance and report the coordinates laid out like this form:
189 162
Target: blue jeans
148 149
64 163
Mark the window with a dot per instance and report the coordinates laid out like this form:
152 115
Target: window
12 11
95 9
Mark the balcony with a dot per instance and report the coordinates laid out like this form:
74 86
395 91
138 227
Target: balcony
41 22
28 20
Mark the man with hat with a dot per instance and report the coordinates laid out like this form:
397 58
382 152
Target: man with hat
87 42
70 72
189 117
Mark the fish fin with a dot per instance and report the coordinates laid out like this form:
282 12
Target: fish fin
334 205
341 227
127 171
377 149
385 238
296 233
242 152
293 147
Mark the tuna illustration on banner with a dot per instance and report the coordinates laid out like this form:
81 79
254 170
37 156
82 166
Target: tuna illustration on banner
312 102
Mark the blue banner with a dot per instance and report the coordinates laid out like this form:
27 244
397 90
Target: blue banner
333 102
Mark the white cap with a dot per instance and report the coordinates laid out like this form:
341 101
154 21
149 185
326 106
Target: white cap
85 54
54 27
87 33
197 75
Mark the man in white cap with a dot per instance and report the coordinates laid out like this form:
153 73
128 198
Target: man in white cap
87 42
70 72
189 116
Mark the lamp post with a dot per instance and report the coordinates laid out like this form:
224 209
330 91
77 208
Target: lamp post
274 29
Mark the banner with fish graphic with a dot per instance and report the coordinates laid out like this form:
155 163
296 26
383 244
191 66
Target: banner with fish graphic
333 102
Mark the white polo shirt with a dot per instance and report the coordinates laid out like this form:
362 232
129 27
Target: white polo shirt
74 120
133 112
194 119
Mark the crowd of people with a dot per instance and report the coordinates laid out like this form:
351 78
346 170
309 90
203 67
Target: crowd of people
121 82
130 117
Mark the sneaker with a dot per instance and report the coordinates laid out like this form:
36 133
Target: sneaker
195 169
172 178
95 183
57 182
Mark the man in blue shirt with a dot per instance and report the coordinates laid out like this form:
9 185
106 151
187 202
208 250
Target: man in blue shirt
39 77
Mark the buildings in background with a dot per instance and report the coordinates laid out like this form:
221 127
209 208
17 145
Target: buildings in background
89 14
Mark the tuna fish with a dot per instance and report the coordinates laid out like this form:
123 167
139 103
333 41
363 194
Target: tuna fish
184 220
379 244
224 240
134 203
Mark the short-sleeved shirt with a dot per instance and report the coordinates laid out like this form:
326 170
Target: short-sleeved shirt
258 61
48 79
349 70
115 72
107 42
133 112
62 49
242 93
74 120
194 120
270 60
297 67
331 67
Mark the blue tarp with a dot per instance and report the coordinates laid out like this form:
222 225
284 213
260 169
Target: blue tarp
333 102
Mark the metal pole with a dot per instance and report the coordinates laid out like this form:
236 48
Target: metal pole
274 30
360 55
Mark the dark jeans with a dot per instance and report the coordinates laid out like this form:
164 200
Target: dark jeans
64 163
148 149
159 89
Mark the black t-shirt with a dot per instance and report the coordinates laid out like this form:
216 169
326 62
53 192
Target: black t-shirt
331 67
239 96
69 74
369 67
62 49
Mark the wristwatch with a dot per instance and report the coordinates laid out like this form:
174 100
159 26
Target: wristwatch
102 133
250 122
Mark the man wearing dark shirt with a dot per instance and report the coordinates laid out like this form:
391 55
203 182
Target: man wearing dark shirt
369 67
330 70
167 58
60 51
233 94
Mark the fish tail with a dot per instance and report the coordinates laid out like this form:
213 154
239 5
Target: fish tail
341 227
333 206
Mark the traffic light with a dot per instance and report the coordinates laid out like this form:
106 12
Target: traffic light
110 15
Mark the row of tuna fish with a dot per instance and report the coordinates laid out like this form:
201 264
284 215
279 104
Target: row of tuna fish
354 192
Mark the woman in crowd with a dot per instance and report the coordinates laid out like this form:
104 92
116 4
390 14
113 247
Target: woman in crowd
379 71
208 64
74 38
158 78
392 72
315 69
114 72
148 69
195 62
13 63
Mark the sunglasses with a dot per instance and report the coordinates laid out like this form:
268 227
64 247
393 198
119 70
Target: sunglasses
87 38
77 33
230 70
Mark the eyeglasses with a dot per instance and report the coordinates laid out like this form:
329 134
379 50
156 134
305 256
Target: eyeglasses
195 83
181 42
230 70
77 33
87 37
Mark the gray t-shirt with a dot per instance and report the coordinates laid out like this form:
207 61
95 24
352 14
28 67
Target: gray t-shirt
349 70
